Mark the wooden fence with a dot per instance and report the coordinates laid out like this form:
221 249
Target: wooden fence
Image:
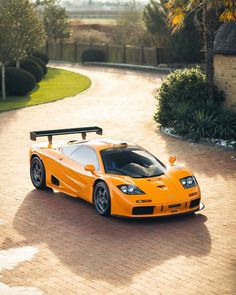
139 55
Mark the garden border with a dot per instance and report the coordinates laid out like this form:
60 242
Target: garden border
207 141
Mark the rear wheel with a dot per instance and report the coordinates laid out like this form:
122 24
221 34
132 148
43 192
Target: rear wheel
102 199
37 173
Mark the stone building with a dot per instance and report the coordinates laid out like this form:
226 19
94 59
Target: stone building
225 62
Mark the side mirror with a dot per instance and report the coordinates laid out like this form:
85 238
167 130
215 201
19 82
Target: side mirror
172 160
89 167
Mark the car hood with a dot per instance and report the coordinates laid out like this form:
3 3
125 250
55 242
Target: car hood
166 187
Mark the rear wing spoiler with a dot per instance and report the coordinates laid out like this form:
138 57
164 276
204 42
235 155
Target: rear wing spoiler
50 133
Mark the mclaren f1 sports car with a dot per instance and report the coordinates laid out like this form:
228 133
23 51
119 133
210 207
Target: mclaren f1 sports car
118 177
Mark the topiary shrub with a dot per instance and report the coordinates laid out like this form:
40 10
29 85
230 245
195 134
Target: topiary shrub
182 86
18 82
42 56
93 55
32 67
40 62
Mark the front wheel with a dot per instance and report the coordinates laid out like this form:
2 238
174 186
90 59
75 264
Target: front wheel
102 199
37 173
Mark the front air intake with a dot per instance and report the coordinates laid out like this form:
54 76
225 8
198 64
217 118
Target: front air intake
143 210
194 203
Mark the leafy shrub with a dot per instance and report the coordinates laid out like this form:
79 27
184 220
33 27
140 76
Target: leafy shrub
225 125
184 105
18 81
188 85
202 124
182 117
42 56
40 62
93 55
32 67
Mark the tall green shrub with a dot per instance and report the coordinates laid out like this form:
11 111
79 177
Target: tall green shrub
188 85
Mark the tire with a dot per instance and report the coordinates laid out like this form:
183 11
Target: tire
37 174
102 200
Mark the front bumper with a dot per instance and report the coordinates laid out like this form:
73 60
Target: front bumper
157 210
201 207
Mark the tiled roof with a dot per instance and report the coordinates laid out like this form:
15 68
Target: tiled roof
225 40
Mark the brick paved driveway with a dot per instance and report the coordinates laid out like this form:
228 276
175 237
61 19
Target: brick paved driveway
54 244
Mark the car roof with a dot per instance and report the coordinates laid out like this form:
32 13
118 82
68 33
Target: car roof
101 144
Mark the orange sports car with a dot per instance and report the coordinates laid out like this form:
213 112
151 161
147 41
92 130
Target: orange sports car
118 177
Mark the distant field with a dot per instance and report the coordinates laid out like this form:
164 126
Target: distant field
91 21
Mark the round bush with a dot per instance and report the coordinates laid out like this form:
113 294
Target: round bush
93 55
182 86
32 67
42 56
40 62
18 81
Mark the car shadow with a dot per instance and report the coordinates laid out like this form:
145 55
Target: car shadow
102 248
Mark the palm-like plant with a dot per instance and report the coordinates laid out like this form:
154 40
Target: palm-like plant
224 10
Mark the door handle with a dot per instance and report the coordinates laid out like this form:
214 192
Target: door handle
61 158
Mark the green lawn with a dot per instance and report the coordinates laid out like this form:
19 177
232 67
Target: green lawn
57 84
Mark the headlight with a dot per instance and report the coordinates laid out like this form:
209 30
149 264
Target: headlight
188 182
130 189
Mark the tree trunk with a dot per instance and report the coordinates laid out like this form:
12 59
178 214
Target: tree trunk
209 20
18 64
3 82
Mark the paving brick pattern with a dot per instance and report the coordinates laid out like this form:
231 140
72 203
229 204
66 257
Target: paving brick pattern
80 252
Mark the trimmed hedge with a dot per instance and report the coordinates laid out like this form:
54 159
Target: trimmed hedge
40 62
18 82
32 67
42 56
93 55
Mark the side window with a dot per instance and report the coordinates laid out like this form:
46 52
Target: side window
68 150
85 155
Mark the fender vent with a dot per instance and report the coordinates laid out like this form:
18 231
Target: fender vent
162 186
55 181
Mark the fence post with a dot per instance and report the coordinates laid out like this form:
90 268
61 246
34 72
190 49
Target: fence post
156 56
107 51
75 51
60 50
46 48
124 54
142 54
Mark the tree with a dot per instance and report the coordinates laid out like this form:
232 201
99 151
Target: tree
224 10
130 28
154 16
21 33
56 22
27 27
184 46
6 40
38 3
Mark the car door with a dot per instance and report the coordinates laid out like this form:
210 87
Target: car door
76 180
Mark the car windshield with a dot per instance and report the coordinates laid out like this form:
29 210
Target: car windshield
133 162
